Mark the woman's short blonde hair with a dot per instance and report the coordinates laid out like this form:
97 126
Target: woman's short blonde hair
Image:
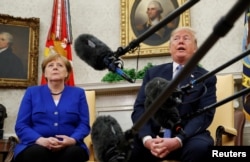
53 57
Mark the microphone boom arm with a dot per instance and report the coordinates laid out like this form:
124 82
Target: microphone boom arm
217 104
185 88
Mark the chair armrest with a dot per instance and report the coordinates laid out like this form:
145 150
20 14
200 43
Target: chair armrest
12 141
224 130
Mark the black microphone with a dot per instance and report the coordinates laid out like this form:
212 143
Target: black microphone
167 115
109 142
96 54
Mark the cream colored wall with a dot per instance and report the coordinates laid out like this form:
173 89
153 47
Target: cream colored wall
102 19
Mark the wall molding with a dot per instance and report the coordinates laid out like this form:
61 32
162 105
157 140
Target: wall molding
126 87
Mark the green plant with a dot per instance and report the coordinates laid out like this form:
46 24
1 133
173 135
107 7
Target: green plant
113 77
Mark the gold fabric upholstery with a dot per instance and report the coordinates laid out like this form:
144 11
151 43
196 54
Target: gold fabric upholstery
90 95
222 128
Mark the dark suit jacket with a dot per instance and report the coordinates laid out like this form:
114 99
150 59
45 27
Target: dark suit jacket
198 99
11 66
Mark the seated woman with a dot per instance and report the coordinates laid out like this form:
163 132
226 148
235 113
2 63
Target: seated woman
53 119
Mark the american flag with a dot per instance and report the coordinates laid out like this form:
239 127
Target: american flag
246 61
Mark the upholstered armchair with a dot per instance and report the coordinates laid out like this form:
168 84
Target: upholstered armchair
90 95
222 128
225 128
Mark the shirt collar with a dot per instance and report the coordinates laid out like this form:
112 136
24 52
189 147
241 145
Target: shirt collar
175 65
1 50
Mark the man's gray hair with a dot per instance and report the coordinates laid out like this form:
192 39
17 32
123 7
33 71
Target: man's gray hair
8 36
157 5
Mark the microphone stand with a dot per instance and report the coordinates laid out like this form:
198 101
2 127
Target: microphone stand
217 104
222 27
207 75
135 43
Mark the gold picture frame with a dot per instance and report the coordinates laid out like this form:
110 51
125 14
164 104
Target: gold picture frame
22 54
133 18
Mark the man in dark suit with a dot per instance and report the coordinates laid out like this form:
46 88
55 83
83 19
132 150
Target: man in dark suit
10 64
193 146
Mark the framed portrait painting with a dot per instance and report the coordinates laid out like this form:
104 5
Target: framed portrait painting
139 16
19 39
